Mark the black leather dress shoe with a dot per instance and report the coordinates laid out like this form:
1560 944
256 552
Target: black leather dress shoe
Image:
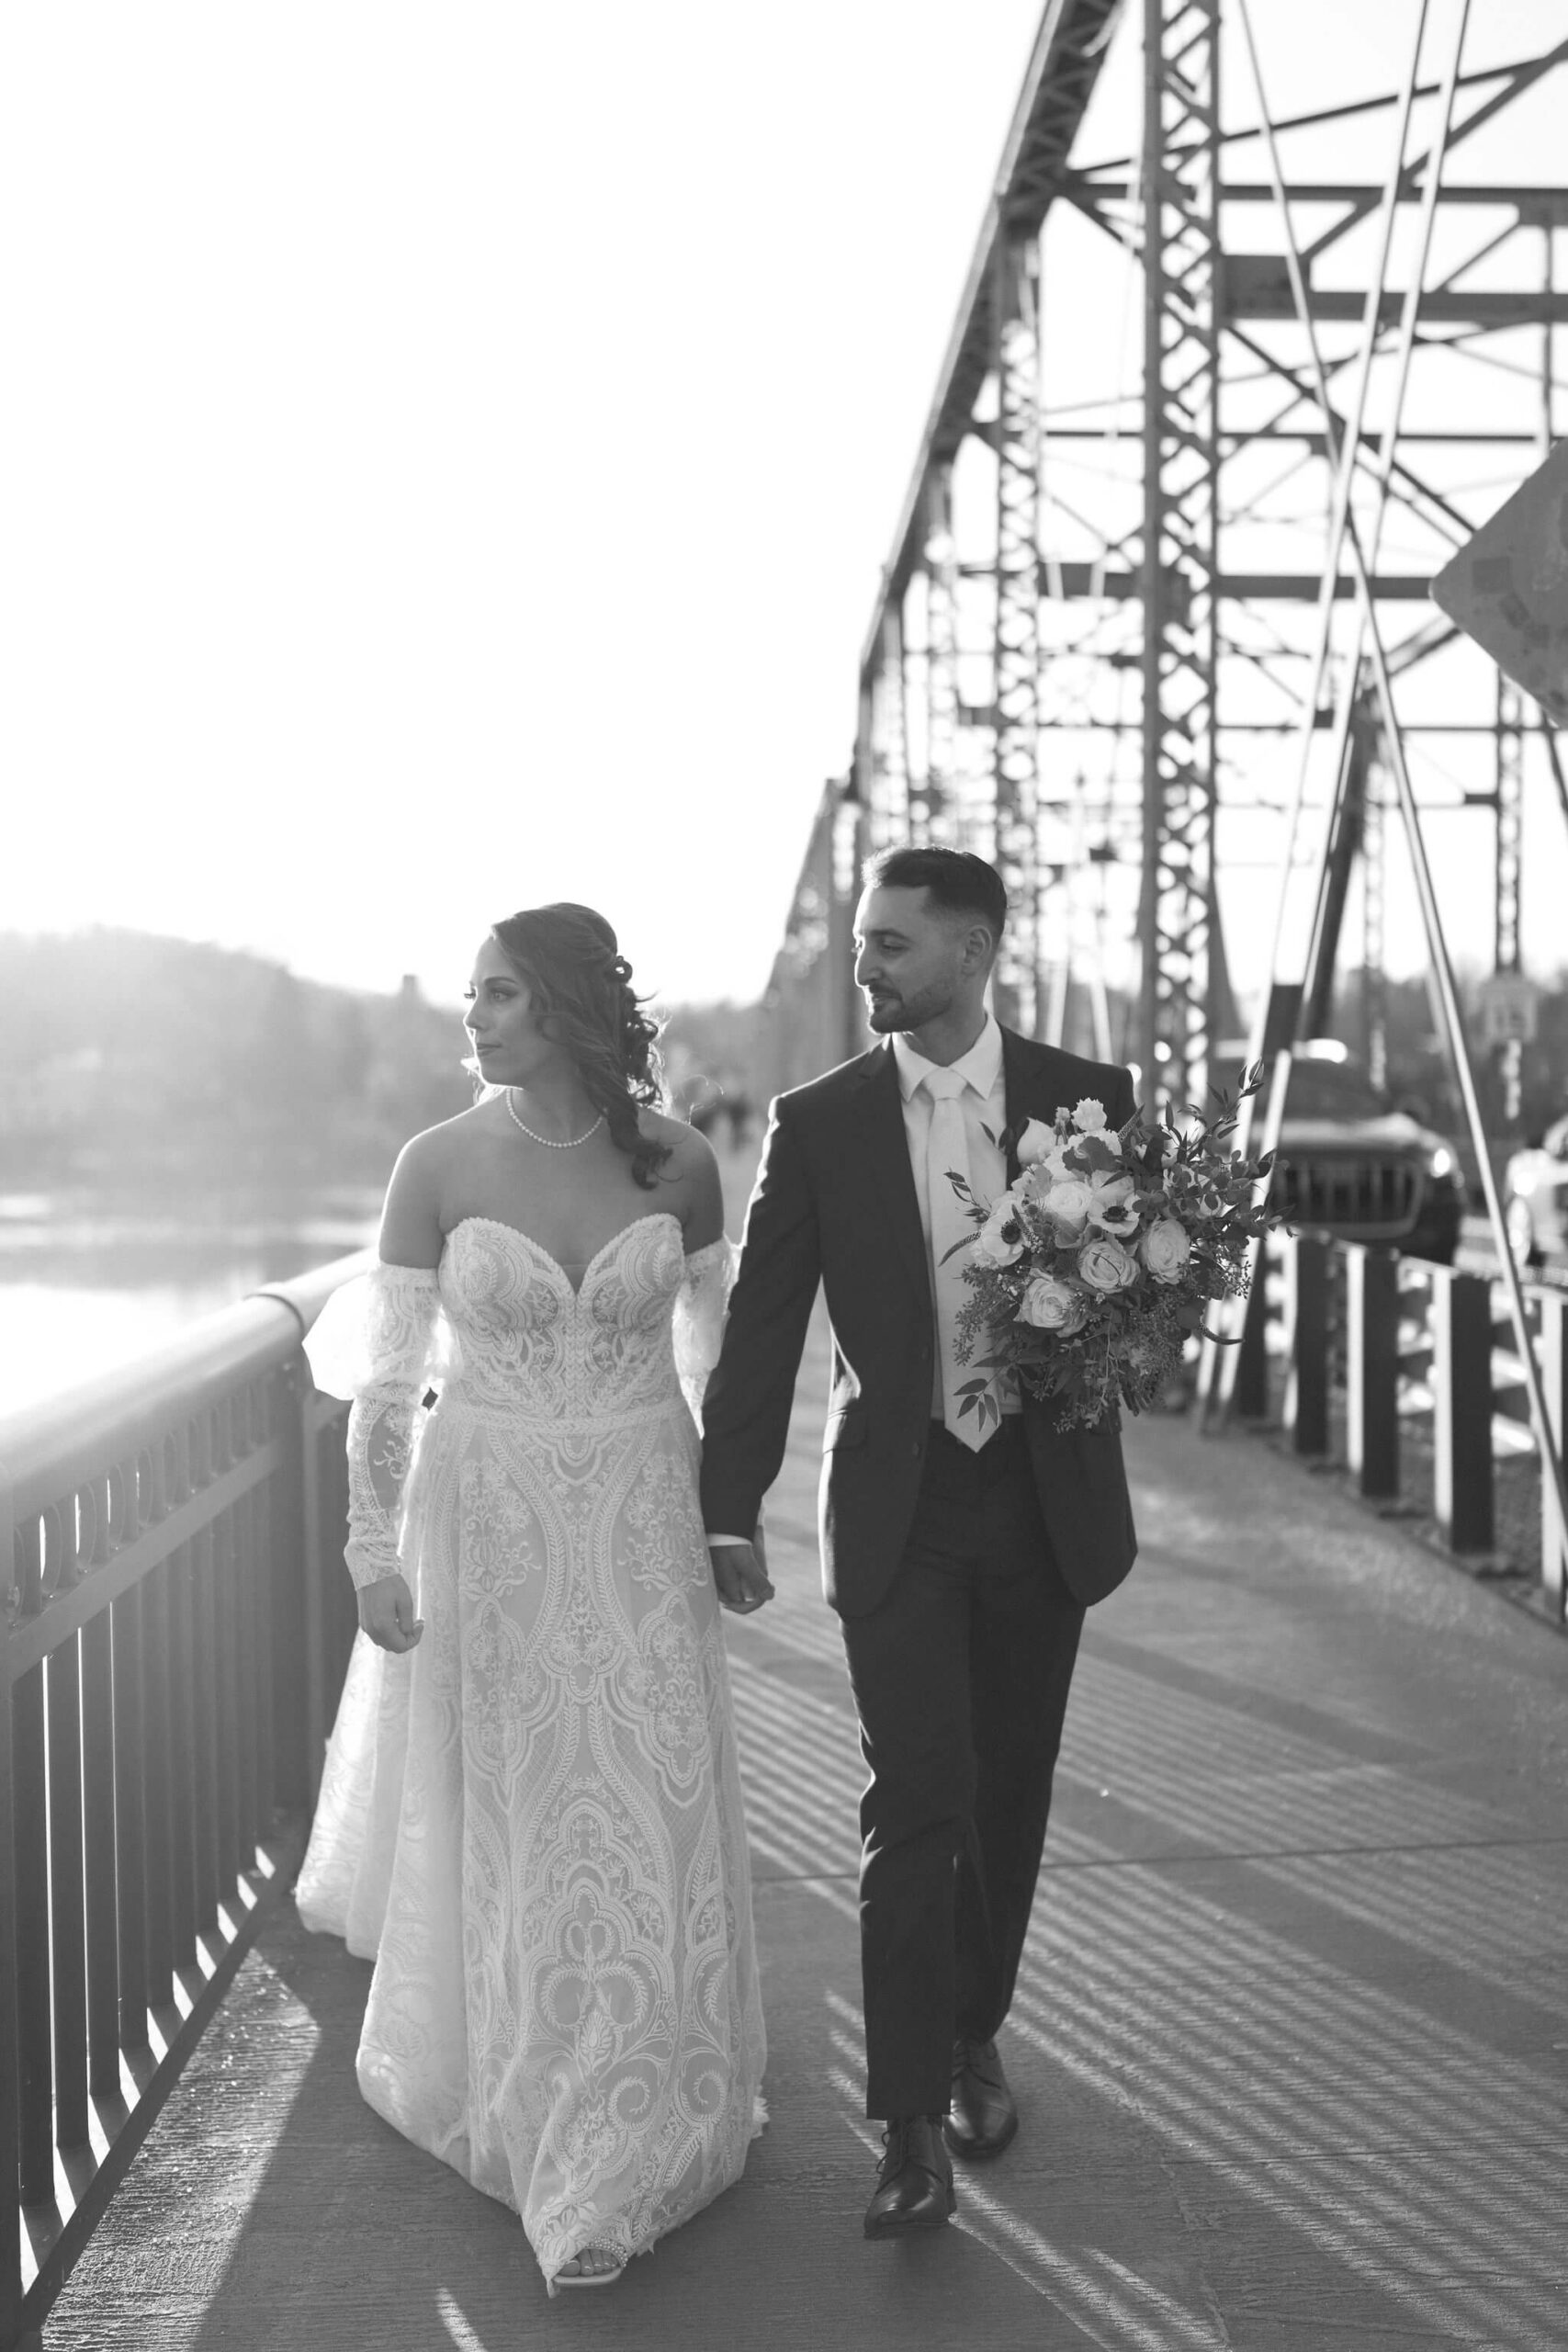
982 2117
914 2181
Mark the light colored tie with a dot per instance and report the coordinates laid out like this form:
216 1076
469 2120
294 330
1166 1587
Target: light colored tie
947 1147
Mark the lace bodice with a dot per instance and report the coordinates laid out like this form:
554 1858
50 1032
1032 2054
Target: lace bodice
499 1328
529 1345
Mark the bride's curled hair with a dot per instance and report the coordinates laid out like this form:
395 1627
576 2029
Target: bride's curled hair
581 990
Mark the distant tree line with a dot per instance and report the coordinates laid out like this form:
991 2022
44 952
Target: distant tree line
128 1060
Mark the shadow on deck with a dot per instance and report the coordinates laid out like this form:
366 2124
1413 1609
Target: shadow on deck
1290 2040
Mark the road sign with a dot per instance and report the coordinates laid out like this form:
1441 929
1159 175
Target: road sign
1507 587
1508 1004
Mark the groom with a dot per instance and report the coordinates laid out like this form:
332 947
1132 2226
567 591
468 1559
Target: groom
960 1555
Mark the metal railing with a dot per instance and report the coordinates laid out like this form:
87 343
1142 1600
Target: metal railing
175 1635
1366 1356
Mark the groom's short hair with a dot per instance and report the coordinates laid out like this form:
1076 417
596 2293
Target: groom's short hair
959 882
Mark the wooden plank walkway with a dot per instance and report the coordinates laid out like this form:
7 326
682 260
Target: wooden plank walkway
1291 2042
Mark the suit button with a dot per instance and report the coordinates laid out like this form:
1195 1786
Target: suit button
916 1449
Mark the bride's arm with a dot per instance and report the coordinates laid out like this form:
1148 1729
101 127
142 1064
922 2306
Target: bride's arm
379 1342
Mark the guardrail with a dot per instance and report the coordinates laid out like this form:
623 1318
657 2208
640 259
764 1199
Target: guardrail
1357 1351
176 1637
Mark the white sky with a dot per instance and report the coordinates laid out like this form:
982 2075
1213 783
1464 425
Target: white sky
450 448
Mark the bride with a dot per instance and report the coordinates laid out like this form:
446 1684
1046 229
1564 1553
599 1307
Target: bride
530 1815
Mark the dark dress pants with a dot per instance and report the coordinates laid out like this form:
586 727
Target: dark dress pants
961 1676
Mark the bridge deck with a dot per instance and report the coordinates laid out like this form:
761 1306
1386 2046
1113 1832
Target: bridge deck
1291 2043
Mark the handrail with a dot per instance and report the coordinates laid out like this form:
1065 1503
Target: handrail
63 1440
176 1626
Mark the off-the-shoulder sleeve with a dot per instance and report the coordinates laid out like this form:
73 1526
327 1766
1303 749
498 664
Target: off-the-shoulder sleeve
386 1325
381 1340
699 1317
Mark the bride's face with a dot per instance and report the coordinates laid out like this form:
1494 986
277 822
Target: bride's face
508 1043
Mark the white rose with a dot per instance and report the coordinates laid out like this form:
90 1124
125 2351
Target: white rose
1053 1305
1105 1266
1165 1250
1035 1141
1068 1203
1088 1117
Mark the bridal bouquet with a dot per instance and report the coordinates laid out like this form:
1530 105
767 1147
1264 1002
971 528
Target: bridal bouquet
1094 1268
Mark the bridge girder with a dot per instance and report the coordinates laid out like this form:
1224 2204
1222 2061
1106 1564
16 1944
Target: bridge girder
1086 711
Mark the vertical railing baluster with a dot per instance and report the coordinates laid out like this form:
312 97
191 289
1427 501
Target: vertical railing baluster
98 1856
68 1923
1461 1408
1372 1369
155 1785
130 1819
10 2084
1554 1306
246 1521
292 1776
1306 1399
183 1762
35 2088
204 1708
223 1608
1251 1394
261 1636
313 1617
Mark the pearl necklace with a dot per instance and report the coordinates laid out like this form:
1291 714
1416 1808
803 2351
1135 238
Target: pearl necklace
550 1142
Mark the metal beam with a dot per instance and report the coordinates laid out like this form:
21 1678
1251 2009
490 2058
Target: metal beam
1072 581
1016 643
1533 201
1257 286
1063 70
1179 566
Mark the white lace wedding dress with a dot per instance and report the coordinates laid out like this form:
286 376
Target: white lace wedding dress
532 1821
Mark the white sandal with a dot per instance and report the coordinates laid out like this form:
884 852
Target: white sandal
590 2277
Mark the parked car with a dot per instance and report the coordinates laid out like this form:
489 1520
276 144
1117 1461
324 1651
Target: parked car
1535 1198
1357 1166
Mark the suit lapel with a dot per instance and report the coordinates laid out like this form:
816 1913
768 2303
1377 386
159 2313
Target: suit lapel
1020 1083
887 1148
1036 1087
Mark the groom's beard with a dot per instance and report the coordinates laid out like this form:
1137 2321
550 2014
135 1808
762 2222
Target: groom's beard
887 1012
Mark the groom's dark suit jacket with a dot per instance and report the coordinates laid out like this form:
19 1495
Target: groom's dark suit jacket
835 1201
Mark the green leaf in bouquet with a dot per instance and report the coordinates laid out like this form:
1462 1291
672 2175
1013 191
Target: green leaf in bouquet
1093 1151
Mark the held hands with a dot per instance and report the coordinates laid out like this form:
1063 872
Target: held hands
740 1576
386 1613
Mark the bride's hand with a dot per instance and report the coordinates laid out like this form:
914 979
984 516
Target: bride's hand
386 1613
740 1576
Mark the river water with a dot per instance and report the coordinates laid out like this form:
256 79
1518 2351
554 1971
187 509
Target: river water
84 1289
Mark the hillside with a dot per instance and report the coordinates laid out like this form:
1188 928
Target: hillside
129 1062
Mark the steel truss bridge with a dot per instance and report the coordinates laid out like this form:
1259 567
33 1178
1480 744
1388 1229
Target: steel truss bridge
1139 568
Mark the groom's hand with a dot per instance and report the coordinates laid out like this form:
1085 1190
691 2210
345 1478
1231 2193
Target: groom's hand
740 1576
